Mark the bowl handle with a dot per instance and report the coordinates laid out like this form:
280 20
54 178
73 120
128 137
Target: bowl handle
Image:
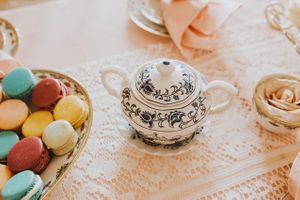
106 71
226 87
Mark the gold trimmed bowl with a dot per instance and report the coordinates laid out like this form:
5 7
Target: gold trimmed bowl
60 165
277 102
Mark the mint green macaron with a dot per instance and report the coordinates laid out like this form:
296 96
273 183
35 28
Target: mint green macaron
19 83
7 140
24 185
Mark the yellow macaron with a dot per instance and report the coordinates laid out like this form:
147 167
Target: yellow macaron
36 123
72 109
83 117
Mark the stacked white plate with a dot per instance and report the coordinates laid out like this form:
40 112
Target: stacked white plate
147 15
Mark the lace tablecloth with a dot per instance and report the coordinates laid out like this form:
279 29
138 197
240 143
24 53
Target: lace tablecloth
236 159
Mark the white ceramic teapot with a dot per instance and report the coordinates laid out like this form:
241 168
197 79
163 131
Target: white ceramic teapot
166 101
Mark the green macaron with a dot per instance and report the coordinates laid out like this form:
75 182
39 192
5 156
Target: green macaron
19 83
7 140
24 185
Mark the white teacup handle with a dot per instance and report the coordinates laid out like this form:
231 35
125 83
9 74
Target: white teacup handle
228 88
113 70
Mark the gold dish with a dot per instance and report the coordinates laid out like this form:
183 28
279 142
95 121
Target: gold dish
60 165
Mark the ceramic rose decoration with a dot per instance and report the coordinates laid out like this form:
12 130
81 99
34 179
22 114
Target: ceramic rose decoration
166 100
286 96
277 99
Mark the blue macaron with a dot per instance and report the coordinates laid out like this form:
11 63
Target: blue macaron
24 185
19 83
7 140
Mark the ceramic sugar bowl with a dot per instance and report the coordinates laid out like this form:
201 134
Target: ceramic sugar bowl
166 101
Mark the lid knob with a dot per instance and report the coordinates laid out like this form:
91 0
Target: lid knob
165 68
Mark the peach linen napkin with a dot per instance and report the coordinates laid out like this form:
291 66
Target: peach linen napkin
192 23
294 179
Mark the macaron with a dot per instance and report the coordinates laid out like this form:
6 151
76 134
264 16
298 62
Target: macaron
60 137
7 140
48 92
36 123
5 175
29 153
24 185
19 83
13 113
7 63
72 109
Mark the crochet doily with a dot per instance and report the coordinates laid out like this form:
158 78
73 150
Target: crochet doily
236 159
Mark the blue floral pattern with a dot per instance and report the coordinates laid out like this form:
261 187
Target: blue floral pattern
163 119
185 87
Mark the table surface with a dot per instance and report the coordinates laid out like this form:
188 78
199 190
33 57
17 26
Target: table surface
65 33
61 33
11 4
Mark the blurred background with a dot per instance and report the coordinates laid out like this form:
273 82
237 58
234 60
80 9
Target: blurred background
9 4
61 33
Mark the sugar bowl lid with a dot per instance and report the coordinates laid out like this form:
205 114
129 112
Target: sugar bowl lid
166 82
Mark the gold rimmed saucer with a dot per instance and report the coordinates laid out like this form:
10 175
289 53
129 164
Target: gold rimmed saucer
9 37
135 14
152 11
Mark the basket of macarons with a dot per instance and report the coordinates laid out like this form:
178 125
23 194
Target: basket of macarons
45 120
